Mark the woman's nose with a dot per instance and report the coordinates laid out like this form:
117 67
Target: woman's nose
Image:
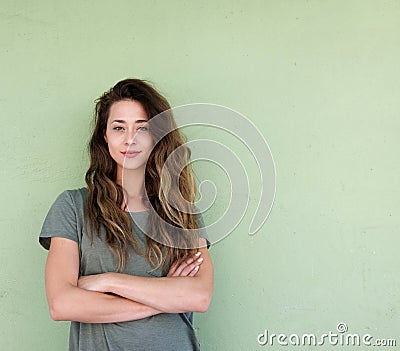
130 137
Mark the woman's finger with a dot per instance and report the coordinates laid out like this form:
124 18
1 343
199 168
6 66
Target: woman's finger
194 271
184 266
172 269
191 267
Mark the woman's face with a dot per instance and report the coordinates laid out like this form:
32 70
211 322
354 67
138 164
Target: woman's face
127 135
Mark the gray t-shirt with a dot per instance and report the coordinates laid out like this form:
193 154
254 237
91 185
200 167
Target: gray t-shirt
161 332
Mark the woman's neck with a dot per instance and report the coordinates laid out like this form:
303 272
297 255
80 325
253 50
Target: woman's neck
132 181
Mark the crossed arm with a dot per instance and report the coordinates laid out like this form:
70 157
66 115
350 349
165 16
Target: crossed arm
83 299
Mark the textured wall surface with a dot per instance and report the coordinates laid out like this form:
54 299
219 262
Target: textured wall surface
320 79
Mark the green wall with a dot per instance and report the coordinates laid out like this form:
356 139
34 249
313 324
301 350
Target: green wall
320 79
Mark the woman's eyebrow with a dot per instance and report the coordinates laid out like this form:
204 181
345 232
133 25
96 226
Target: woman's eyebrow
123 121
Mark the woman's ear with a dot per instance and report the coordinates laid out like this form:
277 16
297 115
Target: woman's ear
105 138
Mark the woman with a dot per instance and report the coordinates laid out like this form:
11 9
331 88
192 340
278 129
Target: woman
124 288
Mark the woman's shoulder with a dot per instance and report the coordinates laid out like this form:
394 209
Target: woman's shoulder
77 196
77 191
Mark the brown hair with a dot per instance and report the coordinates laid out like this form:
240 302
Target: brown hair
105 203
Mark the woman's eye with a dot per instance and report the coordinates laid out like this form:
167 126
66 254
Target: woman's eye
118 128
144 129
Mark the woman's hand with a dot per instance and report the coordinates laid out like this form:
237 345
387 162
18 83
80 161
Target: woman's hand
186 268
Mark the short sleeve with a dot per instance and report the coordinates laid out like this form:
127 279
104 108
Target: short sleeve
60 221
202 229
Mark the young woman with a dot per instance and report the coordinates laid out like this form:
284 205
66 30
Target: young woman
122 287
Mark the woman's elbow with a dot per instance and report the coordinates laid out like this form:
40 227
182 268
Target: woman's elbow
203 302
58 309
55 316
55 313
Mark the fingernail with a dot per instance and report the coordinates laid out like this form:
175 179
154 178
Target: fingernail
198 254
200 260
196 268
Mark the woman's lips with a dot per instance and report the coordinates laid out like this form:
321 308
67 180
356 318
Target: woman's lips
130 154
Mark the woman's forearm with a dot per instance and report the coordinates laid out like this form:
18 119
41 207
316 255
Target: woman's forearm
185 288
75 304
168 294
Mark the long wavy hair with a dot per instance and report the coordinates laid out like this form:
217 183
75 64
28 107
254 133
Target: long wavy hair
170 186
